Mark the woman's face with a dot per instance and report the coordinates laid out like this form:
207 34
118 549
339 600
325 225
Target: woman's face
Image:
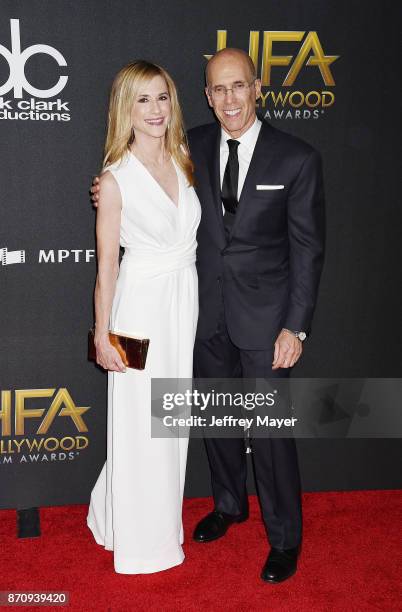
152 109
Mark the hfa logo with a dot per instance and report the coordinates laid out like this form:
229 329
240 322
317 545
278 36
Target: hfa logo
17 83
309 54
40 446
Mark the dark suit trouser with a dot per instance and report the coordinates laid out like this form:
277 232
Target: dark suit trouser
274 459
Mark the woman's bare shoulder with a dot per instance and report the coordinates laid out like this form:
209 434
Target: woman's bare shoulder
109 189
107 177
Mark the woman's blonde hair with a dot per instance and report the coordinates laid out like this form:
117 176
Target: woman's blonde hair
124 94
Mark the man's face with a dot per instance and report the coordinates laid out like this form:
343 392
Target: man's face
235 110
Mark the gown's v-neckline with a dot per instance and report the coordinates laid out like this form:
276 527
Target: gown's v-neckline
172 203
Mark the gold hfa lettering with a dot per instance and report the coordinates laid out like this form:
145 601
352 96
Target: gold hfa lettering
61 405
311 53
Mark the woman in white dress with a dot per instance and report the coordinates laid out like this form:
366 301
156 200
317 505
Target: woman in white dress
147 205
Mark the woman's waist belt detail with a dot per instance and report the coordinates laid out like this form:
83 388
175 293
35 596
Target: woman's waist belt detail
150 262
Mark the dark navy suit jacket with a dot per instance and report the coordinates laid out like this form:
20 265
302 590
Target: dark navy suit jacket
268 268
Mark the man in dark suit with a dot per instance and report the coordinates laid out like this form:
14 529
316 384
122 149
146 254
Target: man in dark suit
259 260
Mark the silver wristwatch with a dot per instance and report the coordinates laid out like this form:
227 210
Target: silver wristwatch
301 335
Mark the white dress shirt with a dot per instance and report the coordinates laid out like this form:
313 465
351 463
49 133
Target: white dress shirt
245 152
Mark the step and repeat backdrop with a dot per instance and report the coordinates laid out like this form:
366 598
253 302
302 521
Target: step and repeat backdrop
330 74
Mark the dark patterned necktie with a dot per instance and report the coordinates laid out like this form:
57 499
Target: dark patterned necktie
231 178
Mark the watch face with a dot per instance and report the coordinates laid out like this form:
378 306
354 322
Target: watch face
302 336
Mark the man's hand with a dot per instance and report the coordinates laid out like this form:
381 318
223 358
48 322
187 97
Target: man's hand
288 349
95 191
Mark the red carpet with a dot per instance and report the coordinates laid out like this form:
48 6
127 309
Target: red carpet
351 561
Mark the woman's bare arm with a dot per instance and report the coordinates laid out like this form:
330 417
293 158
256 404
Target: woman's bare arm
108 243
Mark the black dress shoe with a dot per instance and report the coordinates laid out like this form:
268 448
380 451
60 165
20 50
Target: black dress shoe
280 564
215 525
28 523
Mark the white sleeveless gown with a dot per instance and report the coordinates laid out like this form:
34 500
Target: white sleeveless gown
136 504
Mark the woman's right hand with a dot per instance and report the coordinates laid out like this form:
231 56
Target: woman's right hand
106 354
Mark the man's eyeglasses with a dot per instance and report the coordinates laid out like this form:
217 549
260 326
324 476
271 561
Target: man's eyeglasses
238 88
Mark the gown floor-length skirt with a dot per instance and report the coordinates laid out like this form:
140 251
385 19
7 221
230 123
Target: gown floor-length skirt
136 504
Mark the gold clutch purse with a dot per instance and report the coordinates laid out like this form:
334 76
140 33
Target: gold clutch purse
132 350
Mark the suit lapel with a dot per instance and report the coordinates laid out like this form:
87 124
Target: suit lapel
261 159
213 157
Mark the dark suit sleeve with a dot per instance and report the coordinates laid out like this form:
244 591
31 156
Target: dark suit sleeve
306 232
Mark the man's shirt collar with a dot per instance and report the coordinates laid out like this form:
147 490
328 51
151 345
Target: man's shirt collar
247 140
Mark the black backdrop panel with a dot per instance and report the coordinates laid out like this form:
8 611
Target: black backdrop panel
51 145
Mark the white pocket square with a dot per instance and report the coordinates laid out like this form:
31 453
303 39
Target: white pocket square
267 187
